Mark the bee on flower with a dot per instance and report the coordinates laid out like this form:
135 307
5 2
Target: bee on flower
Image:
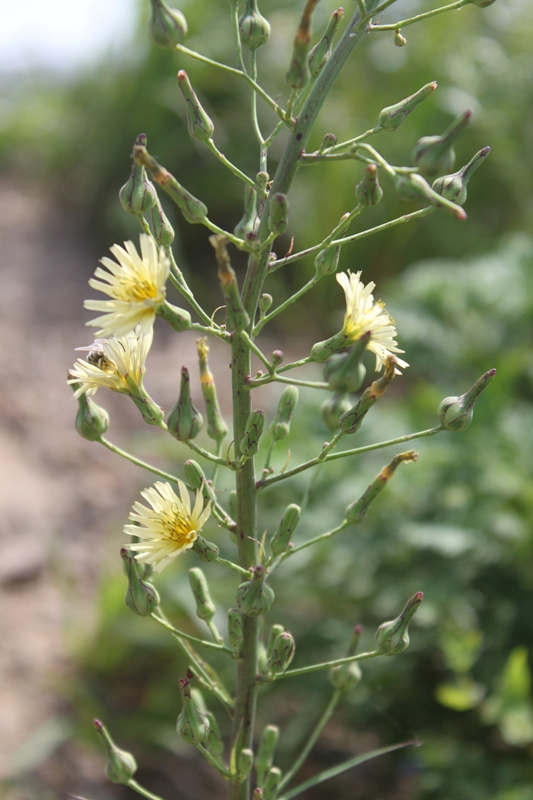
115 363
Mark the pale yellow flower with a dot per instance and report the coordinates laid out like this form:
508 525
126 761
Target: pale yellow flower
363 315
169 527
136 286
117 364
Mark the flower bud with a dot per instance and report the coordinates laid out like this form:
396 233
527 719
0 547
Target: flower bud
163 230
393 637
167 26
265 752
196 477
275 631
236 315
265 301
282 653
200 124
257 794
435 154
277 358
272 782
120 766
245 763
352 420
278 214
91 420
455 413
205 608
150 411
281 424
247 226
482 3
213 744
322 50
184 421
262 178
206 551
178 318
344 371
298 74
321 351
454 187
329 140
415 188
345 676
138 195
368 191
235 631
254 29
281 541
327 261
392 117
249 443
254 597
192 725
356 511
332 410
216 427
141 598
399 40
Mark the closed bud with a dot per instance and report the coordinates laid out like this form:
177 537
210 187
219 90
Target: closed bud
277 358
329 140
205 608
435 154
216 427
141 598
199 123
254 29
356 512
167 26
281 541
278 214
257 793
236 315
265 752
213 743
206 551
344 371
482 3
178 318
282 653
392 117
454 187
150 411
393 637
368 191
327 261
272 784
262 178
195 475
192 725
321 351
322 50
254 597
352 420
345 676
455 413
333 409
298 74
163 230
265 301
138 195
184 421
249 443
247 226
275 631
120 766
245 763
399 40
91 420
235 634
415 188
280 425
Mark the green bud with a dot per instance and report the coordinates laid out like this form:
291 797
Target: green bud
356 512
163 230
235 634
254 29
213 744
141 598
206 551
167 26
120 766
281 541
178 319
272 784
482 3
245 763
265 301
333 408
265 752
353 419
205 608
195 475
257 793
184 421
247 226
344 371
345 676
455 413
282 653
327 261
275 631
138 195
278 214
200 124
254 597
192 725
236 315
454 187
393 637
435 154
322 50
399 40
216 427
281 424
415 188
249 443
329 140
298 74
277 358
392 117
262 178
368 191
150 411
321 351
92 420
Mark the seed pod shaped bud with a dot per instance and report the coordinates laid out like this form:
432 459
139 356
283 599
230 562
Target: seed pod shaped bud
345 676
247 226
265 752
235 631
282 653
393 637
322 50
193 210
278 214
178 319
327 261
199 123
195 475
356 511
141 598
415 188
265 301
281 541
213 744
277 358
249 443
254 29
344 371
272 783
275 631
120 766
245 762
329 140
454 187
167 26
435 154
333 409
138 195
205 608
352 420
399 40
254 597
482 3
236 316
281 424
206 551
216 427
192 725
368 191
163 230
392 117
91 420
150 411
184 421
455 413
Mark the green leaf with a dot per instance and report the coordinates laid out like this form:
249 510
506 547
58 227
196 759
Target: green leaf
462 695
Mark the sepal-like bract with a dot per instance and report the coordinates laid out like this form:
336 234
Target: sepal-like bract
392 117
138 195
281 424
141 597
282 653
368 191
265 752
435 154
235 634
321 52
192 725
120 766
216 427
199 123
184 421
352 420
254 597
278 214
205 608
454 187
393 637
356 512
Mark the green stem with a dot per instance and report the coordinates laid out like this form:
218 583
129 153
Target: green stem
349 142
218 765
403 23
137 461
321 538
234 169
255 382
235 567
255 120
236 35
181 635
292 299
292 673
142 791
255 349
178 281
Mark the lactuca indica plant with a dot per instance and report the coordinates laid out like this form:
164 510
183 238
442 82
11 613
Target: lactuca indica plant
182 507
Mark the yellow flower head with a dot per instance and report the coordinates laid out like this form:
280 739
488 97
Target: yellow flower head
363 315
136 286
117 364
169 527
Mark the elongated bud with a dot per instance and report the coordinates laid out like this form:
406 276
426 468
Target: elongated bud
184 421
206 551
254 29
356 512
138 195
205 608
281 424
192 725
163 230
245 763
392 117
167 26
322 50
272 784
435 154
275 631
249 443
347 676
247 226
298 74
415 188
455 413
213 743
333 409
120 766
193 210
235 634
254 597
141 598
344 371
216 427
178 318
91 420
196 476
327 261
265 752
352 420
282 653
368 191
199 123
278 214
321 351
236 316
281 541
393 637
454 187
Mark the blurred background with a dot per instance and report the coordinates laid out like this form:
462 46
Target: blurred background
77 84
